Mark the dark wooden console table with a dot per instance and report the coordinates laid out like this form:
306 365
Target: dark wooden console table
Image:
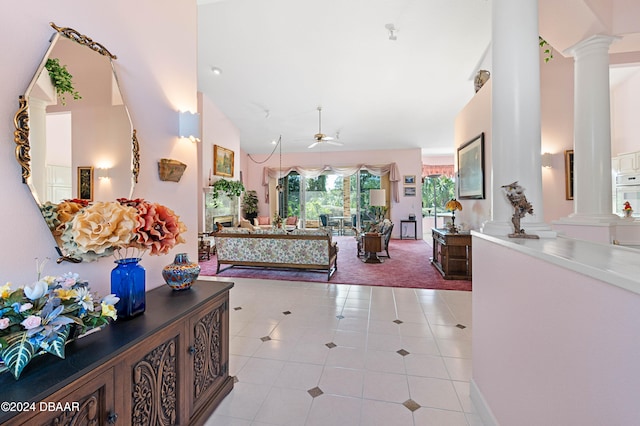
452 254
169 366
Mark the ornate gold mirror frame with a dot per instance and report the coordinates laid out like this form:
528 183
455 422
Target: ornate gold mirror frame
23 133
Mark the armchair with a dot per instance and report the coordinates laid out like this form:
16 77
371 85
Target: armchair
263 222
290 223
386 227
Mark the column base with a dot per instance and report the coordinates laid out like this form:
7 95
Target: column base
540 229
589 219
601 228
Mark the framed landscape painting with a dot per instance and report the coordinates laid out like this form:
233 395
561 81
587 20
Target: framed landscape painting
222 161
471 168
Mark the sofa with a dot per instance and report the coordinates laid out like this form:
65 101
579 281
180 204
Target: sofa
311 250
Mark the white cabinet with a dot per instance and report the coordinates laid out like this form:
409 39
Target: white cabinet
626 163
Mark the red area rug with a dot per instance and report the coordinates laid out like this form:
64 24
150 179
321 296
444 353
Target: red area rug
409 267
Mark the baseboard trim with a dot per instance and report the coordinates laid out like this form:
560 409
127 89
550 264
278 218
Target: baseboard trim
481 406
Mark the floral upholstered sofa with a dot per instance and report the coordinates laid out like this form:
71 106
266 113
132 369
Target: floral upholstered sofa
297 249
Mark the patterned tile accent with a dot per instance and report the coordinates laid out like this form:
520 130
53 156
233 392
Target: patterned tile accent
265 338
340 316
331 345
411 405
237 308
461 327
398 322
315 392
287 312
403 352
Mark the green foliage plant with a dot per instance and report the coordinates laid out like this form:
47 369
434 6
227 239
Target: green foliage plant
231 188
61 79
250 202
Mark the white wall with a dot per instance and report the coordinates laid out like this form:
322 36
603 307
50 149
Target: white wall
155 42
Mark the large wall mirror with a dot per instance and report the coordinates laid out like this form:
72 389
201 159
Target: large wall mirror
76 147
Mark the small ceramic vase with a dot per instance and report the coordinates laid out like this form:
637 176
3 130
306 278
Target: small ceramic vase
181 274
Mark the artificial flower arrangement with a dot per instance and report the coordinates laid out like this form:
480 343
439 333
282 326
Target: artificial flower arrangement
90 231
627 207
40 317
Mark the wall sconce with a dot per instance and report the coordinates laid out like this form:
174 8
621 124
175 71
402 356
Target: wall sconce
103 173
546 160
190 126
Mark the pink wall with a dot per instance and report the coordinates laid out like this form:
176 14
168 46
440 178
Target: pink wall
556 102
625 105
556 96
217 129
552 346
408 161
475 118
157 70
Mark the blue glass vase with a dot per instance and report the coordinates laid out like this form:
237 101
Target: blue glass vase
128 283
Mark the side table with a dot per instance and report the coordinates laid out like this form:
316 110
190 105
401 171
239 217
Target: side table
452 254
372 244
415 229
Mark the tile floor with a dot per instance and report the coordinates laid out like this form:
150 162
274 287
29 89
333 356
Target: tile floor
335 354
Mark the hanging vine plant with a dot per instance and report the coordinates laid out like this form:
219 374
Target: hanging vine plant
62 80
548 52
230 188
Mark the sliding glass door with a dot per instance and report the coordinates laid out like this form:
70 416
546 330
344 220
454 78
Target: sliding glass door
344 200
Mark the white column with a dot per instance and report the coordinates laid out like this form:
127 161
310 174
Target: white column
592 131
515 140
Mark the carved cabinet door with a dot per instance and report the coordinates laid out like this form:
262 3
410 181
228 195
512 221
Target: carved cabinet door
208 363
152 388
93 403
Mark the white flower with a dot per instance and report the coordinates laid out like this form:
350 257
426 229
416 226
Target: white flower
4 323
110 299
36 290
85 298
25 307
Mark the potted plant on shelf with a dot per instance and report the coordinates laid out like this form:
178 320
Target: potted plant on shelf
250 205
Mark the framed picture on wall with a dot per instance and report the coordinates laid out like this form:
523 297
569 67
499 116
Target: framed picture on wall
409 179
85 183
222 161
568 173
471 169
409 191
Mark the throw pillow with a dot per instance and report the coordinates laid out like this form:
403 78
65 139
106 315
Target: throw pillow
291 220
264 220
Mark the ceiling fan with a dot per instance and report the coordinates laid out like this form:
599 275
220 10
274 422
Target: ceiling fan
321 137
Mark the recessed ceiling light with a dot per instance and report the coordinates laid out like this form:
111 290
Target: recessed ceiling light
216 70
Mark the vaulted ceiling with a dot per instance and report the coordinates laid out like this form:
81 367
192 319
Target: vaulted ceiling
282 59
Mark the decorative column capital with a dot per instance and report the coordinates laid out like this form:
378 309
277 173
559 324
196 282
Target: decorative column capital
593 45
